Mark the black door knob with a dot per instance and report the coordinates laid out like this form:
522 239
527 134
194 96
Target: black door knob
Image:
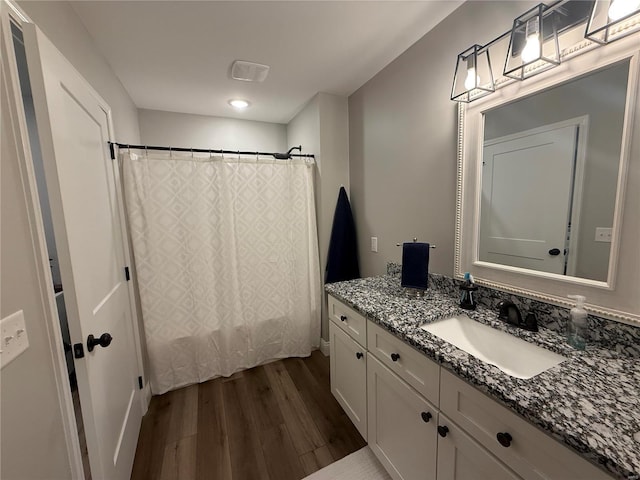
395 357
343 318
443 430
504 439
554 251
359 355
104 341
426 416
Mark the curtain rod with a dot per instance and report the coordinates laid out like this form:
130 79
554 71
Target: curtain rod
277 156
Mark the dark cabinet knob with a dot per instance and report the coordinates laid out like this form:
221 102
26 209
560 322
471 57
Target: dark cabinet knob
554 251
504 439
343 318
104 341
443 430
426 416
395 357
359 355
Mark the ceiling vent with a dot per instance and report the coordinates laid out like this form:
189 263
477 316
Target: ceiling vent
249 71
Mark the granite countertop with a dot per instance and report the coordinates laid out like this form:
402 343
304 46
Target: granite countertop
589 402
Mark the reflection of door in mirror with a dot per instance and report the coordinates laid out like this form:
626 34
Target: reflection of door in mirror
531 172
529 191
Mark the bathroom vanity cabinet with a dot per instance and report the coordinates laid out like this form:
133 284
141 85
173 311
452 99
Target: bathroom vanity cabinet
424 422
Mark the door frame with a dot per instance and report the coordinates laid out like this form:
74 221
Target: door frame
10 12
582 124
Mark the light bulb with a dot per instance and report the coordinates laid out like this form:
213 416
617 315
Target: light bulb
472 80
621 8
239 104
531 50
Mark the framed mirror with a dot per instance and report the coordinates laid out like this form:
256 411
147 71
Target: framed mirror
547 183
550 168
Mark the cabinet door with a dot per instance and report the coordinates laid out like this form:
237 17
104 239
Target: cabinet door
461 458
402 425
349 377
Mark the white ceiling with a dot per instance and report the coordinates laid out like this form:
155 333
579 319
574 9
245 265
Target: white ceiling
176 55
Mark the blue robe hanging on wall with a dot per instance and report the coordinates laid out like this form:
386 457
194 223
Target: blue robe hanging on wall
342 259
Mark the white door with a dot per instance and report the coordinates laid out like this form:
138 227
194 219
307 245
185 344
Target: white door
527 186
73 126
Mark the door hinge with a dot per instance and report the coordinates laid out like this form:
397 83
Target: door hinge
78 350
140 382
112 149
127 275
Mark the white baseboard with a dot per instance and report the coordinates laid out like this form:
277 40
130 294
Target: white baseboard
324 347
146 397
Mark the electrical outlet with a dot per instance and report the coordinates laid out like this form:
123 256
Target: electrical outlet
374 244
603 234
13 337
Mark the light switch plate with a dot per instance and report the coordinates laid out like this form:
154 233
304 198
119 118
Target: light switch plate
13 337
603 234
374 244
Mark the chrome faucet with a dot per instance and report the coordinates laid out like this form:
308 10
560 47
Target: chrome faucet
508 311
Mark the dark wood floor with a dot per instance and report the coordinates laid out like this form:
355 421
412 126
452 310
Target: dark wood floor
274 422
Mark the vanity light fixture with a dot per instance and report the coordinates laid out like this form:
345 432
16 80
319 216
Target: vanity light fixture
473 78
238 104
611 20
533 46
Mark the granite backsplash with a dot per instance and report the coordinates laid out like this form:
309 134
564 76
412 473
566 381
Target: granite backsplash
609 334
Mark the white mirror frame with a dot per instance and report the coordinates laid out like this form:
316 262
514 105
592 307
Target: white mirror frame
616 298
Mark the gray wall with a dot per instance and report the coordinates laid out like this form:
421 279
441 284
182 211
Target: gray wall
200 131
606 115
32 435
402 145
60 23
322 128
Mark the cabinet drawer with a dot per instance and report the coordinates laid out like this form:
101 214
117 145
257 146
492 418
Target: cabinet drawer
348 363
462 458
350 321
412 366
531 454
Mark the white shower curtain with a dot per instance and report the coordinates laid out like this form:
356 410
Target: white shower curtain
227 260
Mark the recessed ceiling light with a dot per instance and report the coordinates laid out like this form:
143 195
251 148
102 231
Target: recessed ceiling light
239 104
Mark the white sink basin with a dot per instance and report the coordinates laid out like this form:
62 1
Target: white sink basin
510 354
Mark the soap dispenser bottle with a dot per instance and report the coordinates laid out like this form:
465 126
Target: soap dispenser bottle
467 299
577 328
